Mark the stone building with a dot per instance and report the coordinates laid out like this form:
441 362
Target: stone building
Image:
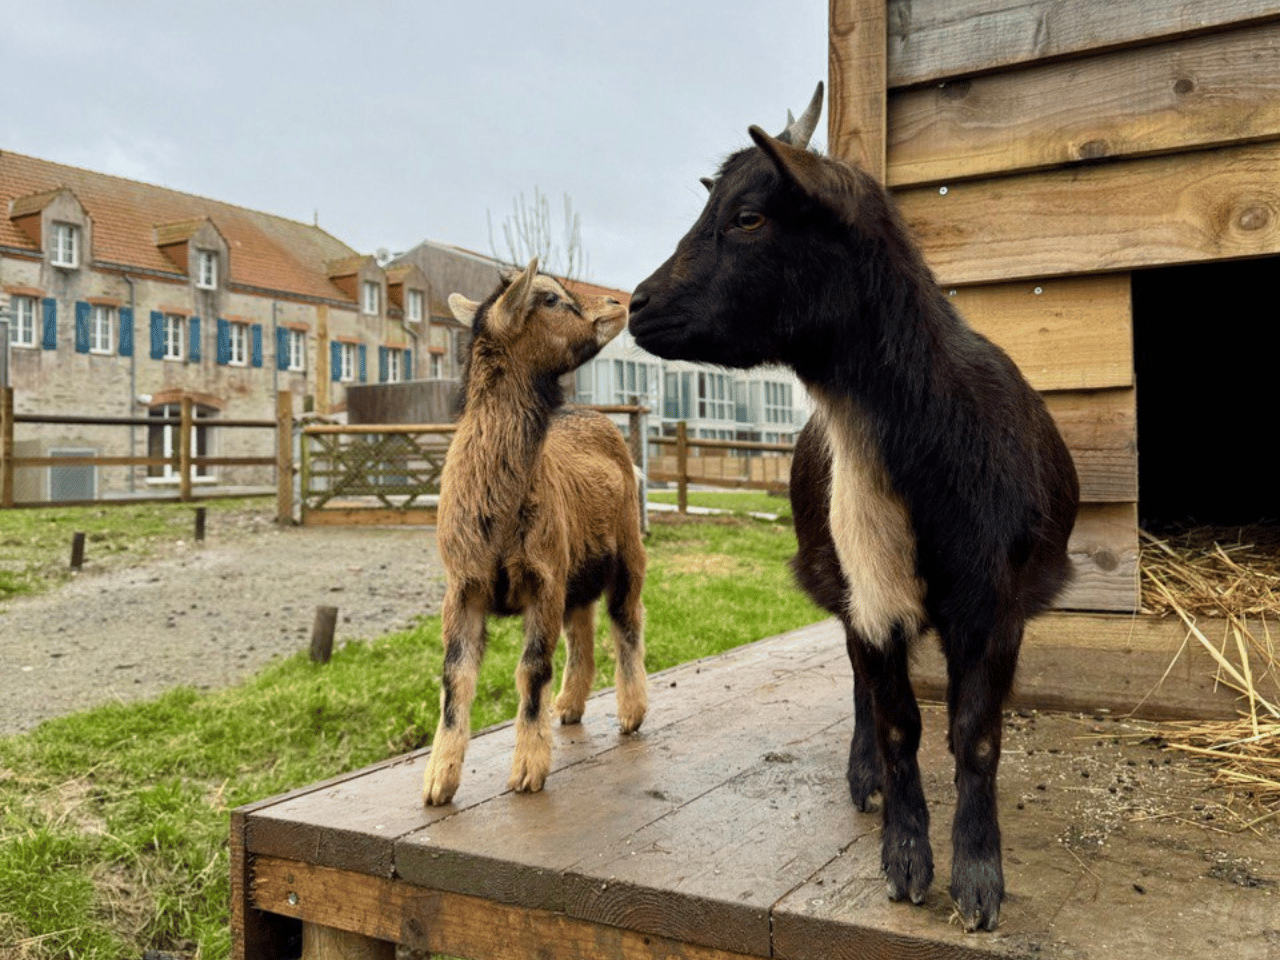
125 297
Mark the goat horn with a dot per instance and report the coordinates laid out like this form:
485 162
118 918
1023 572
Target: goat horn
799 131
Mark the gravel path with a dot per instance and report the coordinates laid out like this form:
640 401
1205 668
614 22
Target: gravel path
206 614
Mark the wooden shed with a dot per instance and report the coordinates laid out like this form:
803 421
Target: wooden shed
1097 185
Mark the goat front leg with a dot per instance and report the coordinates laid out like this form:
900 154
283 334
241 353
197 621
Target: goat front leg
979 678
579 664
865 773
532 760
462 619
906 855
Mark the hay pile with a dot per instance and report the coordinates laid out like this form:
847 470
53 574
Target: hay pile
1226 590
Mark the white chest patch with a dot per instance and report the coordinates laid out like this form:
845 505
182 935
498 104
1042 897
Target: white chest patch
871 528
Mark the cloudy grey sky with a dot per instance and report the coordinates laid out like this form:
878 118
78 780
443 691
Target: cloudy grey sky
395 121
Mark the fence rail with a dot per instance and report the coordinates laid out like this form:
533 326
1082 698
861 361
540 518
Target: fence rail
184 463
373 473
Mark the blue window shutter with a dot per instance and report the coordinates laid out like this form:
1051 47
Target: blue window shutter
157 335
49 339
335 361
193 339
382 364
282 348
406 369
224 341
255 333
126 331
82 326
361 353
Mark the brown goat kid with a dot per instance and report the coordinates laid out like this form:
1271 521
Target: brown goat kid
538 515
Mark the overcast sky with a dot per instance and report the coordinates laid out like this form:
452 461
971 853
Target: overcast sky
395 121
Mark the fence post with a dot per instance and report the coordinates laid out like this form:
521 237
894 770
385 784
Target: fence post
6 447
284 457
682 466
184 450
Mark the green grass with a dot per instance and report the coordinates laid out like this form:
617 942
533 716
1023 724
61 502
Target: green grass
35 545
733 501
114 822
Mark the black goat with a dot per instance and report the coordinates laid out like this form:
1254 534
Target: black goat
930 489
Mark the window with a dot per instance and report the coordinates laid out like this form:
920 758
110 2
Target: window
297 350
413 305
22 325
206 269
777 403
175 329
395 365
437 366
347 355
631 380
101 320
371 302
162 441
66 245
714 402
239 355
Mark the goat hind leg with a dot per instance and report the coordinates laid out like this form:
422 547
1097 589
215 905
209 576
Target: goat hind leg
532 759
626 613
462 620
580 663
977 686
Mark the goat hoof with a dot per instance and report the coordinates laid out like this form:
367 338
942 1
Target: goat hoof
630 724
526 781
977 888
439 786
907 862
568 711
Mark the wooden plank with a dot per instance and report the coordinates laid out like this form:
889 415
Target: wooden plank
1086 874
857 55
1195 93
354 821
1104 551
1212 205
434 921
1064 334
933 39
518 848
368 516
1101 430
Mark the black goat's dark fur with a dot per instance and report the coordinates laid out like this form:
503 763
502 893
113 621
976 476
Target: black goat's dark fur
931 488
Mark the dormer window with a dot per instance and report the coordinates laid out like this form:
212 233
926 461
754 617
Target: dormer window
371 302
206 269
413 305
66 245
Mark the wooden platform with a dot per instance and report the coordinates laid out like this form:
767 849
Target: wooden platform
724 830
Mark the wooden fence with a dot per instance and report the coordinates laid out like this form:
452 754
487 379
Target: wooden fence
762 473
184 463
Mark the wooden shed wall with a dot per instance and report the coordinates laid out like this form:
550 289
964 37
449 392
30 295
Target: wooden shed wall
1041 152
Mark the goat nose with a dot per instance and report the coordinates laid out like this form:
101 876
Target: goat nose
616 303
638 301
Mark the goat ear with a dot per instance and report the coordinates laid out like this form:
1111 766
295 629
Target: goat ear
808 171
462 308
509 310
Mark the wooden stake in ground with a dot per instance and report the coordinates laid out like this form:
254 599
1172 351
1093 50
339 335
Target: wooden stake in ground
322 634
200 516
77 550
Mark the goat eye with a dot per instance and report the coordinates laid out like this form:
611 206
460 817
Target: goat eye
749 220
550 299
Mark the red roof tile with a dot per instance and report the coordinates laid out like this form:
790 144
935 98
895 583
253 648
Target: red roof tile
265 251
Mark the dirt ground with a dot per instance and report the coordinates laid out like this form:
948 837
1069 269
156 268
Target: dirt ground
206 614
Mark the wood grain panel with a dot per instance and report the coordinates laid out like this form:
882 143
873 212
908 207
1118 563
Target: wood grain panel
856 87
1101 430
1212 205
932 39
1196 93
1104 550
1064 334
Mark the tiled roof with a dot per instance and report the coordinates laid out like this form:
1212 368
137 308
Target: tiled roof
265 251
